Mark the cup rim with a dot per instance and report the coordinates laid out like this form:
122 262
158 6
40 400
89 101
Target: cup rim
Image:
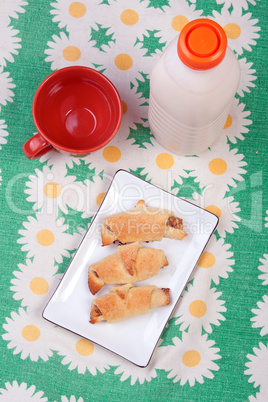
69 149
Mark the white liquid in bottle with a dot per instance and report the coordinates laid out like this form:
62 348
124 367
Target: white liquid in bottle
192 87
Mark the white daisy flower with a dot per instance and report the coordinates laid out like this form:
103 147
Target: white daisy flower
72 399
15 392
122 64
35 283
225 208
218 167
261 316
52 188
3 133
11 9
28 334
6 83
81 354
190 359
257 368
235 126
167 168
55 157
175 18
247 77
45 235
75 50
73 15
240 29
9 44
264 268
199 307
214 263
126 20
236 3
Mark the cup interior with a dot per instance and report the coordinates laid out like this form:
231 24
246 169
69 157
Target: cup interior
77 109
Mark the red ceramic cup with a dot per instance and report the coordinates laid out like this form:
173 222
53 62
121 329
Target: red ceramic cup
76 110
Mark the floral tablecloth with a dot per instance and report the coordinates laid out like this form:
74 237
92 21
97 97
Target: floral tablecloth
215 345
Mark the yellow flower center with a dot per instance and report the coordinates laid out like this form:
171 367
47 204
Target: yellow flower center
84 347
124 107
191 358
129 17
198 308
39 286
206 260
111 153
52 189
45 237
214 210
178 22
30 333
217 166
229 122
77 9
123 61
164 161
71 53
233 31
99 198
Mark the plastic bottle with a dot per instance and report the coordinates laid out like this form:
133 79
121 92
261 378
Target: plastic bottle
192 87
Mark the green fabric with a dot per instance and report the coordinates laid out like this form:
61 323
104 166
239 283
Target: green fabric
233 332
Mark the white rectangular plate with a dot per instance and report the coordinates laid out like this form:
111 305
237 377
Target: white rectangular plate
136 338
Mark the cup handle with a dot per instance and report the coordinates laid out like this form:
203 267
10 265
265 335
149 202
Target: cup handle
36 146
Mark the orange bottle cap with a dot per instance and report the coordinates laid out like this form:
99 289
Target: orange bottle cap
202 44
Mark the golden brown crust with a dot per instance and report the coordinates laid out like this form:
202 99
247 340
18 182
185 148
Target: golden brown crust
173 233
128 255
141 224
130 263
123 302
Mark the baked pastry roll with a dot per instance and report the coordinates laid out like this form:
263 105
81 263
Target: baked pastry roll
141 224
130 263
126 301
